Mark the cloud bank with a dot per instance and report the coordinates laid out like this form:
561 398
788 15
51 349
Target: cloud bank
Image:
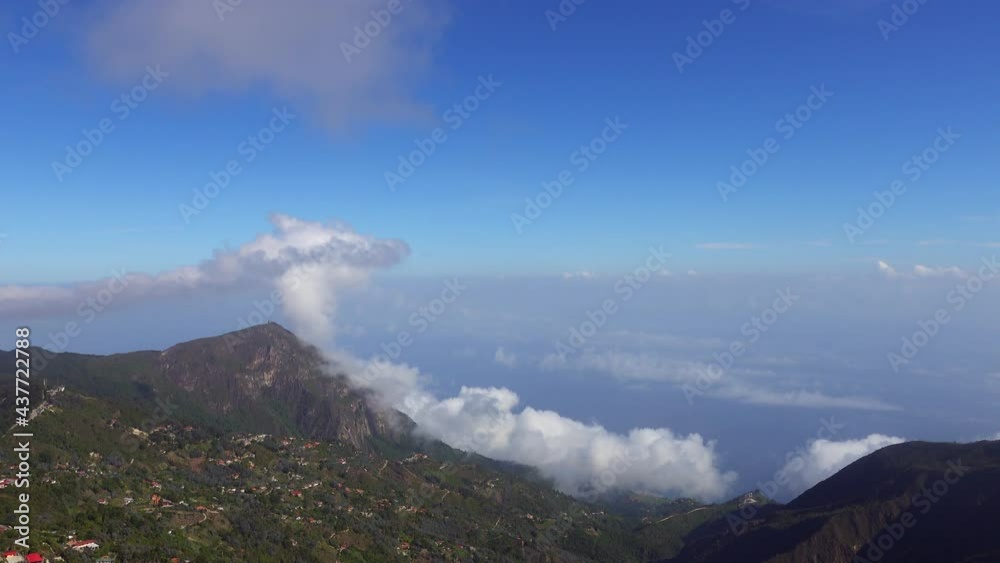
580 458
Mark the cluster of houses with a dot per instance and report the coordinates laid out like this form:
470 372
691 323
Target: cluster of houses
15 557
79 545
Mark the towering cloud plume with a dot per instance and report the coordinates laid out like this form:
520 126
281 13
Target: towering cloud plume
310 261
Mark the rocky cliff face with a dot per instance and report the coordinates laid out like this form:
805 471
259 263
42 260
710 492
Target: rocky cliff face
264 373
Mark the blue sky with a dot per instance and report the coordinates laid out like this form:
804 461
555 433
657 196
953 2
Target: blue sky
655 184
927 89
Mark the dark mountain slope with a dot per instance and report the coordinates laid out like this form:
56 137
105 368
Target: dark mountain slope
916 502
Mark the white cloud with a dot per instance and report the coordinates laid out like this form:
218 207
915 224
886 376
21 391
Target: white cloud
578 456
293 47
582 275
823 458
505 358
885 269
920 271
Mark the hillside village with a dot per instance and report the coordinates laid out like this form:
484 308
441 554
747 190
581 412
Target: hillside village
110 491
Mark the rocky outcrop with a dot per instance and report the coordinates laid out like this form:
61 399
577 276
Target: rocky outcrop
268 375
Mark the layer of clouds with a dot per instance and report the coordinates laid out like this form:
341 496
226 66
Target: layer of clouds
823 458
751 383
293 47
